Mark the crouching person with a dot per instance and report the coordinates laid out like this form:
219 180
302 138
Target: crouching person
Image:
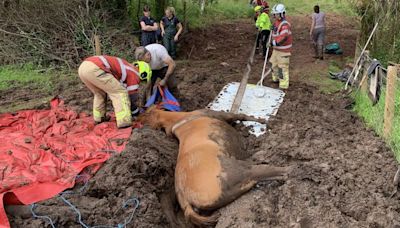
115 77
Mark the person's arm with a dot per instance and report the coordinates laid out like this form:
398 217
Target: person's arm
162 28
155 26
312 25
180 30
171 67
147 28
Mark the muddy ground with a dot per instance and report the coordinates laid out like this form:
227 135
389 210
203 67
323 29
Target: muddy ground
343 170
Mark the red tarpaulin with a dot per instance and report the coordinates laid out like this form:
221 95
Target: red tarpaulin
42 151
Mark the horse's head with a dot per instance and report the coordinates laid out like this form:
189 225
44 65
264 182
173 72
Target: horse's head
159 119
151 117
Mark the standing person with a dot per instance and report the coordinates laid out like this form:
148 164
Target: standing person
317 32
161 64
115 77
171 28
149 28
263 24
282 47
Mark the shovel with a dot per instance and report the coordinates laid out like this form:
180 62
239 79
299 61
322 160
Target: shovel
259 91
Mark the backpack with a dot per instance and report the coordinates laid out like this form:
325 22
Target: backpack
333 48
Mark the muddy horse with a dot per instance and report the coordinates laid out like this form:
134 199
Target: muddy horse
208 173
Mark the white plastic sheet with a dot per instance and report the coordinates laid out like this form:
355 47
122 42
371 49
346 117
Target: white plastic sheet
258 101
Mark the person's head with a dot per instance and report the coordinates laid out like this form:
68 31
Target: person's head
279 11
146 11
257 9
142 54
316 9
170 11
144 70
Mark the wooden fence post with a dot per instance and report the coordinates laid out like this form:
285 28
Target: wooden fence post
97 44
390 99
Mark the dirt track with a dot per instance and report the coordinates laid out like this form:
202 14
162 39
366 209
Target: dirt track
343 172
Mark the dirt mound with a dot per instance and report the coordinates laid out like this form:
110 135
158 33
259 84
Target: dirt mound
144 170
343 175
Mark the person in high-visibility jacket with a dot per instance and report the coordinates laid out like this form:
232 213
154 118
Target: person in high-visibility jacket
263 24
282 46
117 78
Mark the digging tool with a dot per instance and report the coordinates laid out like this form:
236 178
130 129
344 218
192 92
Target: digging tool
261 92
362 53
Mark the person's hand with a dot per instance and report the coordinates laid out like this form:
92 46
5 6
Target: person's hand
162 33
163 82
176 38
274 43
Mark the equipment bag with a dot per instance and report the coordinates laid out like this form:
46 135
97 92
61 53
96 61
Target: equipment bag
333 48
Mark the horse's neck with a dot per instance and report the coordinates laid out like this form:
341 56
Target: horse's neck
168 119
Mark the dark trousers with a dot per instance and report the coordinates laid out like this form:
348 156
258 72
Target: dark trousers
171 83
148 38
264 36
170 45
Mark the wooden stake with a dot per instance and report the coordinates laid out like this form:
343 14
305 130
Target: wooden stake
97 44
362 53
243 84
390 99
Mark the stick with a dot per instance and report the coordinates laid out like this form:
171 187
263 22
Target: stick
97 44
362 53
266 57
242 87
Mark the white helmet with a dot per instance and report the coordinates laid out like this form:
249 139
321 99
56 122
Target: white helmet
278 9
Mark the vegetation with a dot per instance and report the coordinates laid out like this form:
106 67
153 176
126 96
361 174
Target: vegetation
25 76
387 39
342 7
374 117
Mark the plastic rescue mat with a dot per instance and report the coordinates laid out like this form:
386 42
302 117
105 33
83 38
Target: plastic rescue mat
43 151
258 101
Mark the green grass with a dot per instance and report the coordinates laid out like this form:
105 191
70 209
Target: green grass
321 80
27 79
222 10
293 7
373 116
25 76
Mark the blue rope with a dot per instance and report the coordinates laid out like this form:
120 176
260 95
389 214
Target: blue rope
130 202
41 217
133 201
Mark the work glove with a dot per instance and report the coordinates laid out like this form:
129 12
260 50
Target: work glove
274 43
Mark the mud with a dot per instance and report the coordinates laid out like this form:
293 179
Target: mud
343 171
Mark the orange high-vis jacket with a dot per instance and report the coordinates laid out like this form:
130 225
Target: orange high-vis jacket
121 69
282 36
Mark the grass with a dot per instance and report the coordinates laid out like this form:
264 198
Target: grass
25 76
342 7
222 10
373 116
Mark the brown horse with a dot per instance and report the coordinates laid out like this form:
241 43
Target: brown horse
208 174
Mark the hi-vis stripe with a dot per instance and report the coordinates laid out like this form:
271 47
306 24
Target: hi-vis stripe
105 62
123 70
132 87
283 47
